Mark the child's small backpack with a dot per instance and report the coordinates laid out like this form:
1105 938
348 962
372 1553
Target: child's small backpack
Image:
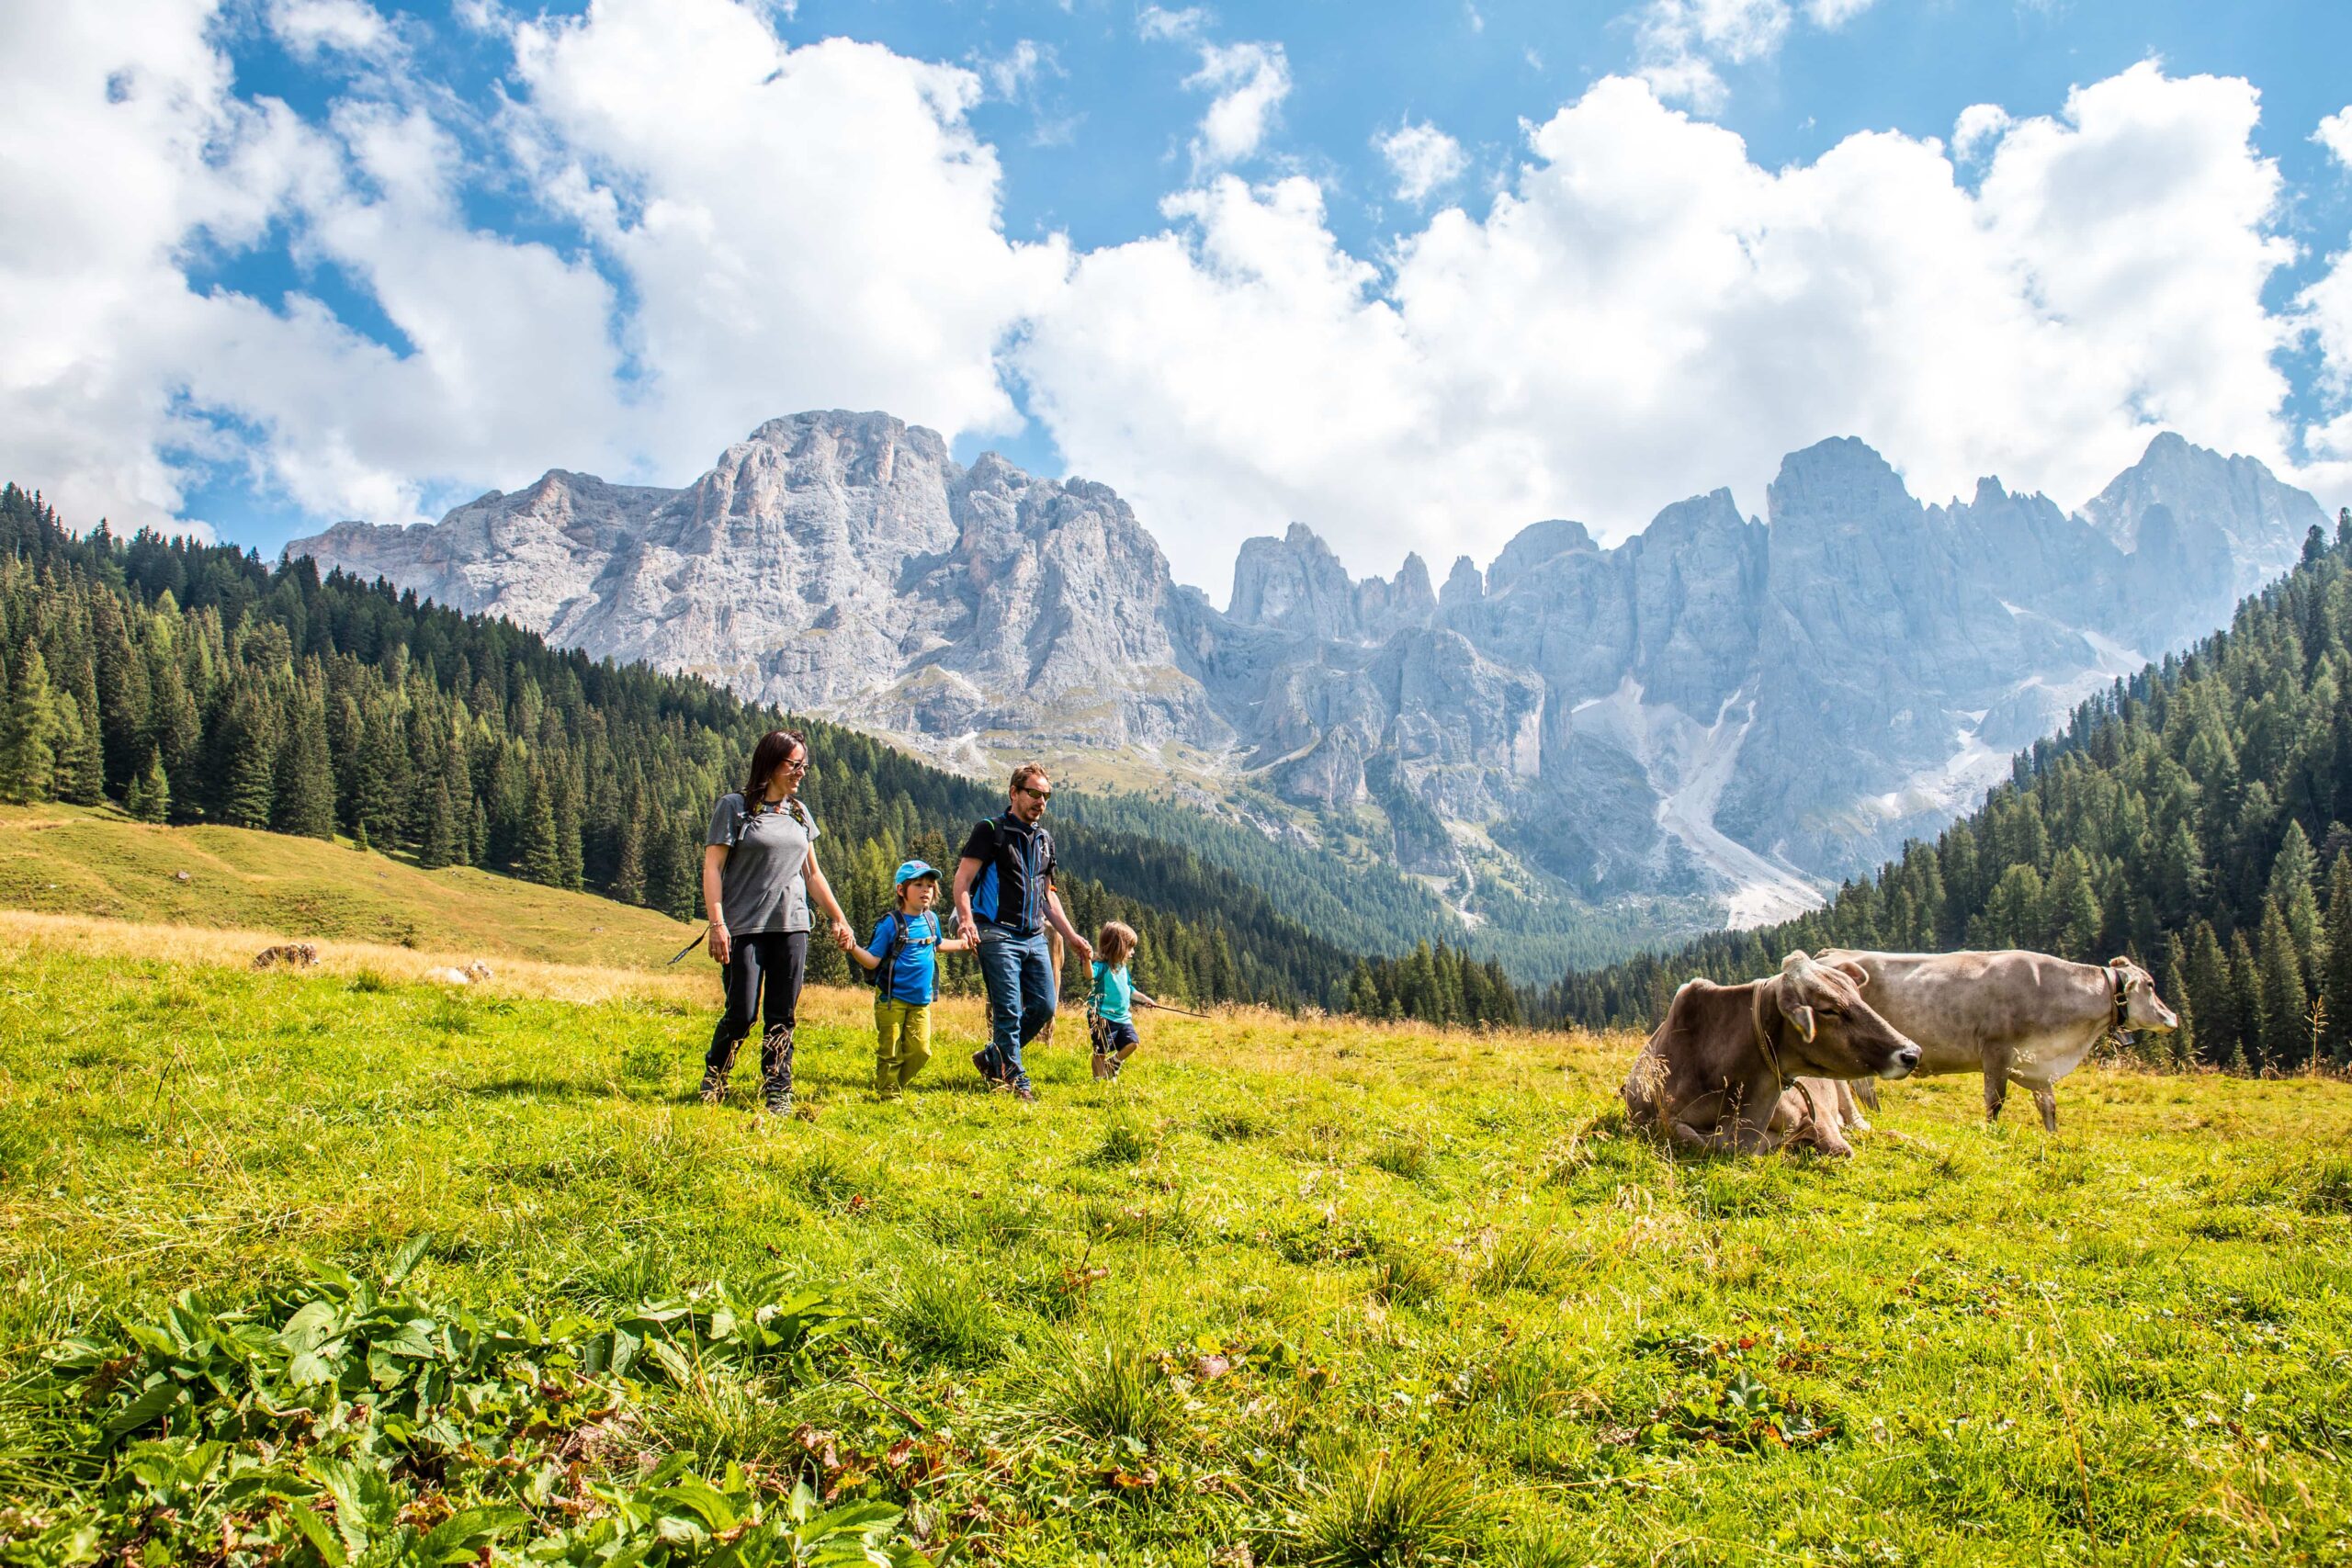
879 975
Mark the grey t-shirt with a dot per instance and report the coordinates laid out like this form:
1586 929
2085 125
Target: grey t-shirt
760 887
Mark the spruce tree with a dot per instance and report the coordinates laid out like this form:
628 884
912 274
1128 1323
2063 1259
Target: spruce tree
2285 1010
438 845
539 859
81 762
2246 1001
2073 913
2336 969
2172 977
305 803
244 753
380 781
566 801
2293 873
150 796
28 764
629 865
177 733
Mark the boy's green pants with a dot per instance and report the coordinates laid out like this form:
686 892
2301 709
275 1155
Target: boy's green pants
901 1043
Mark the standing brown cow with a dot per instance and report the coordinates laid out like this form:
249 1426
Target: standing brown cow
2026 1017
1721 1071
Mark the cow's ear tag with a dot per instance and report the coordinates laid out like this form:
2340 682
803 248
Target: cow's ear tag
1803 1017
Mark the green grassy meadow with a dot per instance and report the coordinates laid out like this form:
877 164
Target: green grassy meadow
71 860
1290 1291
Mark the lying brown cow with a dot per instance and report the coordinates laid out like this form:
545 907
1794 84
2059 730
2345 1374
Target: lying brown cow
2016 1016
1722 1070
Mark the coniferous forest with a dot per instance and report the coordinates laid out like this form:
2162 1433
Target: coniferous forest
2193 817
186 683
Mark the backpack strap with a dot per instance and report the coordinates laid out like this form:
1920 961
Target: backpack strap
889 955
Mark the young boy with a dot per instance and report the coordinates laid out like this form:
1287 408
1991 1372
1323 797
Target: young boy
1109 999
908 940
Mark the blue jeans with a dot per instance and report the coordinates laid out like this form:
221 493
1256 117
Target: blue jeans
1018 975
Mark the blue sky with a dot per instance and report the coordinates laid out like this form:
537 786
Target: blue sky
328 260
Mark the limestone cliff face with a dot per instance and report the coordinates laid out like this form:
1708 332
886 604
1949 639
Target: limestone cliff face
842 565
1720 702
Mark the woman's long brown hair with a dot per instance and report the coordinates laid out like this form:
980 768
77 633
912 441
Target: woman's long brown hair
775 749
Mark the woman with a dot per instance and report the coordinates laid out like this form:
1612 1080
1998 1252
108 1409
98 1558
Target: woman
759 871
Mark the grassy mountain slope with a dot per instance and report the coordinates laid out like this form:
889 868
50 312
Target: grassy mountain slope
1329 1291
75 861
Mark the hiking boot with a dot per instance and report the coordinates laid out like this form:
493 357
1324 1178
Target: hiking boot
713 1087
985 1067
1023 1093
776 1070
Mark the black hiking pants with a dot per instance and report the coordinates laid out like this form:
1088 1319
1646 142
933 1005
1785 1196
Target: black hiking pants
763 975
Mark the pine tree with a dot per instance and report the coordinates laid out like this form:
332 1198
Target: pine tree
305 802
438 845
244 753
2286 1022
2172 978
2293 873
567 830
2210 996
2246 1001
149 798
2073 913
628 867
2336 971
81 762
28 764
380 779
177 732
540 861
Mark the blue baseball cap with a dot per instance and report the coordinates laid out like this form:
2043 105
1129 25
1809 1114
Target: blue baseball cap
914 871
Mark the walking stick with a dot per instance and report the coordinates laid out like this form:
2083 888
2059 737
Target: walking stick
1187 1012
690 946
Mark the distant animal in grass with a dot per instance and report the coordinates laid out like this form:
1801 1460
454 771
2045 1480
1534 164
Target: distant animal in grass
2016 1016
288 956
472 974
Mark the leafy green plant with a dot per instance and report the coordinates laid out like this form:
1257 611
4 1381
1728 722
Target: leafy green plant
366 1423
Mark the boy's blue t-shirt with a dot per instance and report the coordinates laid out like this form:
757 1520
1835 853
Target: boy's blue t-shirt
1113 992
914 973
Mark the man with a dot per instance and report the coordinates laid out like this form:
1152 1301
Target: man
1004 897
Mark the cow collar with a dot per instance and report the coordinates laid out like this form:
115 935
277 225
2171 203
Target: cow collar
1764 1042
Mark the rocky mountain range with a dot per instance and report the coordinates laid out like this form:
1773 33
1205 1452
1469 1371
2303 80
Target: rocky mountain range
1722 705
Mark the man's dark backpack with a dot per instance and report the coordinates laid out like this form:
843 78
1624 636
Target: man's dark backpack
879 975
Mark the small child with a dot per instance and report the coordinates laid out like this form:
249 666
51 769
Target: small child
908 940
1109 999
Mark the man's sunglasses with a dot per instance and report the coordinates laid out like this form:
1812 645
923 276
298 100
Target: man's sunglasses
1040 794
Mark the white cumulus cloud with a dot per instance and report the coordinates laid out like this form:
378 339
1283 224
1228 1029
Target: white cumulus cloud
2335 133
1680 44
822 230
1648 314
1422 157
1249 82
308 27
1978 127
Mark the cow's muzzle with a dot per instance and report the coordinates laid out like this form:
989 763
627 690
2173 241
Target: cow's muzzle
1901 1063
